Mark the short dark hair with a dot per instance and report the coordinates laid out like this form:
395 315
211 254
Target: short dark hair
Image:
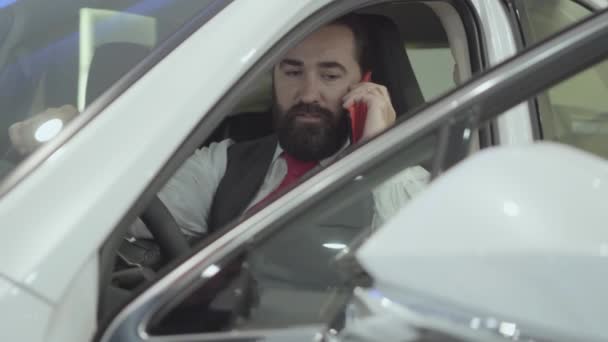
355 23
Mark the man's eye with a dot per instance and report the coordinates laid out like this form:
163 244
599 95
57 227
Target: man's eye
293 73
330 77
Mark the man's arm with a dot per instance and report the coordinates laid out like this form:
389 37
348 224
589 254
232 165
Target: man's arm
394 193
189 193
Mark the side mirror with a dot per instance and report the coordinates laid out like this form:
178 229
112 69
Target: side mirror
516 233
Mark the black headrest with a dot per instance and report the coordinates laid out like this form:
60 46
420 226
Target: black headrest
110 62
390 64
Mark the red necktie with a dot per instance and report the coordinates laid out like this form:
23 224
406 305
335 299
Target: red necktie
295 169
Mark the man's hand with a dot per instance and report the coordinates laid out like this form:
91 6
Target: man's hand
380 111
26 136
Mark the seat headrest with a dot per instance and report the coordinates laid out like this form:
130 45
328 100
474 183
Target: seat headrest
110 62
390 64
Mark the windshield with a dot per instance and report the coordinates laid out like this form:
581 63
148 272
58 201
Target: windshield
57 57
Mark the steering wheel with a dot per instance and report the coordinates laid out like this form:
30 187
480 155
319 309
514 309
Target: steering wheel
164 229
167 234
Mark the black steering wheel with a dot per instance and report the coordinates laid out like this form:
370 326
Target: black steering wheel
164 229
171 242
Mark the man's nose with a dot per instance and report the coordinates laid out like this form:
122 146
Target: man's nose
309 90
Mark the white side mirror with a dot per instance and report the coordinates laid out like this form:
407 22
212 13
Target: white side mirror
516 232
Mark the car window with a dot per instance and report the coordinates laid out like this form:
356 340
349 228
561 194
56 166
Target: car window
57 57
574 112
414 67
294 276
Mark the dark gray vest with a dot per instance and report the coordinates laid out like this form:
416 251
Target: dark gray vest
248 163
246 169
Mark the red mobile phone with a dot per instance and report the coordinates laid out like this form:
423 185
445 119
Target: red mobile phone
358 114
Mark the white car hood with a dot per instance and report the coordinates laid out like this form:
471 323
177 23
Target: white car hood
518 233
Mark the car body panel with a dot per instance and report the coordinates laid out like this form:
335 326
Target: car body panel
514 243
25 315
74 317
514 127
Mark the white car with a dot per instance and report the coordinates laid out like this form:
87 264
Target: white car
154 80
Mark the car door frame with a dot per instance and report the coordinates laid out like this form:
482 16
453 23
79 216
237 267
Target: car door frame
516 15
477 101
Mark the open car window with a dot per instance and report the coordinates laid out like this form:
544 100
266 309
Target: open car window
415 66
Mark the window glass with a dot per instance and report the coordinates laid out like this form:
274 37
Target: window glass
297 274
544 18
56 57
574 112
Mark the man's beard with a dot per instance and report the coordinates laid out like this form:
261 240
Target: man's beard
310 141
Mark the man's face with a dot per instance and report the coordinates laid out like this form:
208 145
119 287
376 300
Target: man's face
309 84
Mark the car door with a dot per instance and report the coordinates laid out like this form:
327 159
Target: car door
223 277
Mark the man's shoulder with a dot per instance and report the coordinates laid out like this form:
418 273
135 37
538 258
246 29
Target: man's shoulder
224 151
249 146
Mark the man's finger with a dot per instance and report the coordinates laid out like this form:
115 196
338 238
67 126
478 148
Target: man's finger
367 98
368 90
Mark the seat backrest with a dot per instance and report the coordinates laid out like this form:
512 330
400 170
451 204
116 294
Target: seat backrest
391 66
